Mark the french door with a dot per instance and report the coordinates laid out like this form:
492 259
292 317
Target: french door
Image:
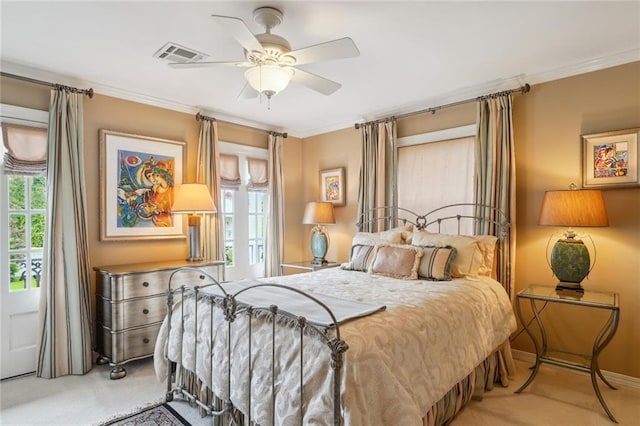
22 221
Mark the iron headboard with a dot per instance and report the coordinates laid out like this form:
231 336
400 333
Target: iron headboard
485 219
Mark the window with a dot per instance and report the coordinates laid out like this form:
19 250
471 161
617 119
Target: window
23 204
243 209
437 169
25 229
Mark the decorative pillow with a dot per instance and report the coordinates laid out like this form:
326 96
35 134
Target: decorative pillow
436 263
360 258
396 261
474 253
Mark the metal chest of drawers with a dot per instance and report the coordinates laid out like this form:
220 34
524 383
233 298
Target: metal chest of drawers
131 304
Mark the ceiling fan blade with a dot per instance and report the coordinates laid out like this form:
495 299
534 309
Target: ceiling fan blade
315 82
208 64
239 31
247 92
335 49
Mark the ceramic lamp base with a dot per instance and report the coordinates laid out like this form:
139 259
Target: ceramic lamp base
570 262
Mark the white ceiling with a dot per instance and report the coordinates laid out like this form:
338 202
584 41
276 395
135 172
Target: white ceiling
413 55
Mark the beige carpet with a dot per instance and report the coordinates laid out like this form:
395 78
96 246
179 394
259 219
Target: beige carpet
556 397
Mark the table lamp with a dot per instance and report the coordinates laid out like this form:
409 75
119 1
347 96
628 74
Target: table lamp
570 261
195 200
319 213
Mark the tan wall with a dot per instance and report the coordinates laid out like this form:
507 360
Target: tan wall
548 123
104 112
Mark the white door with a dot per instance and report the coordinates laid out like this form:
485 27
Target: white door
244 217
22 216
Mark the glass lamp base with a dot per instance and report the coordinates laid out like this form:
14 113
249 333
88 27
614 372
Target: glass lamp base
319 247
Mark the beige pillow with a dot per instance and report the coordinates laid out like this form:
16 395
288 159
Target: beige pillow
436 263
396 261
474 253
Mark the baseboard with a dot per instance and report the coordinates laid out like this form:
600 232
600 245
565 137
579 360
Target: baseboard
614 378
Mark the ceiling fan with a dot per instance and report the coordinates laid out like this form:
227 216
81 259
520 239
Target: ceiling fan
270 61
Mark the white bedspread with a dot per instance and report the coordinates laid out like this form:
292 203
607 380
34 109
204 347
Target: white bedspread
400 361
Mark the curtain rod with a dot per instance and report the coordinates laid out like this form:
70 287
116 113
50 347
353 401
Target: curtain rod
522 89
88 92
200 117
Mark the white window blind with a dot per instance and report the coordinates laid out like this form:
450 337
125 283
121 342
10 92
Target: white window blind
229 171
26 150
258 173
435 174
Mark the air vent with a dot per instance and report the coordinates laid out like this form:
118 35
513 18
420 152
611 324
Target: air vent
173 52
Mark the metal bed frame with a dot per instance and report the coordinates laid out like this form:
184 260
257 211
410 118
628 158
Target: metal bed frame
232 308
228 303
486 219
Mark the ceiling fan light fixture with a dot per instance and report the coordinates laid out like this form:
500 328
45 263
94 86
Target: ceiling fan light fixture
268 79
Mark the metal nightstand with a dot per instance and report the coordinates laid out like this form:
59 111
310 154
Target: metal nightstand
306 265
588 299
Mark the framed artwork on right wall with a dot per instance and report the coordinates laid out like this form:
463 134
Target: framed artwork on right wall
610 159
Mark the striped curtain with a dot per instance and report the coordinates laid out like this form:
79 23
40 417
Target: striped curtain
274 244
64 346
378 175
208 172
496 178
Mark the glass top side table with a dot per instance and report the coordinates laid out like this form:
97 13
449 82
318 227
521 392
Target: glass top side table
306 265
539 296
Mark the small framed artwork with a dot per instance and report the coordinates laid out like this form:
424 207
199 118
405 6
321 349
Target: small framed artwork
332 186
610 159
138 177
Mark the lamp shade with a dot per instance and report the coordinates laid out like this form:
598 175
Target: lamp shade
318 212
268 79
580 207
193 198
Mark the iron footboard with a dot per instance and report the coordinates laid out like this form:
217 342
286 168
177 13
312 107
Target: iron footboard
224 304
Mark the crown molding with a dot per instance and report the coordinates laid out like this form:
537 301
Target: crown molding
128 95
568 70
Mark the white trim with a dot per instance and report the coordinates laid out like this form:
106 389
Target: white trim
614 378
567 70
438 136
15 114
236 148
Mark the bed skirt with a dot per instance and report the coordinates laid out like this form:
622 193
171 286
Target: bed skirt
496 368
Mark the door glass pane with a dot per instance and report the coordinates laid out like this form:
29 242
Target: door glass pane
37 230
38 193
228 253
18 272
17 231
17 186
252 227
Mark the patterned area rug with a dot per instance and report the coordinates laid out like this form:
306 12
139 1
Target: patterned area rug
161 414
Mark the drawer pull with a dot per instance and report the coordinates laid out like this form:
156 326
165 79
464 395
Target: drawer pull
145 284
202 277
145 311
145 340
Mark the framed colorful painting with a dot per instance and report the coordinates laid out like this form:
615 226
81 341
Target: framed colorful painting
332 186
610 159
138 177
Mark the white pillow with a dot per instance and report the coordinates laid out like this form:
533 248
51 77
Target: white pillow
474 252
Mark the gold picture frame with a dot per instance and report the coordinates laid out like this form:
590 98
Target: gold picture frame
610 159
332 186
138 177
